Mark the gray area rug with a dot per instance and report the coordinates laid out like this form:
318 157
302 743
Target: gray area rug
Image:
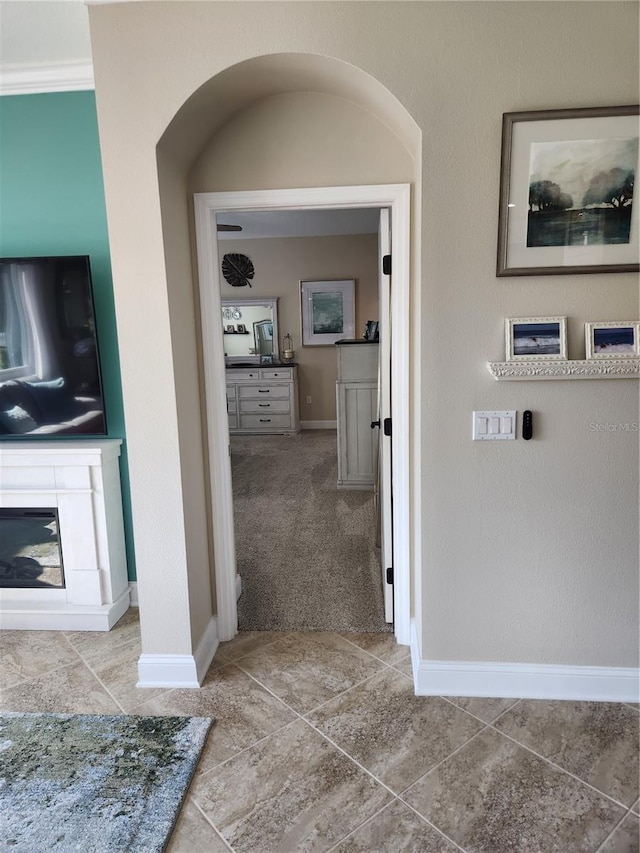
305 549
95 784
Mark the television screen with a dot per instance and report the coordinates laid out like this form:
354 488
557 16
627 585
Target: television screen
49 367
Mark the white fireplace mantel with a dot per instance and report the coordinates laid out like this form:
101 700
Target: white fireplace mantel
81 480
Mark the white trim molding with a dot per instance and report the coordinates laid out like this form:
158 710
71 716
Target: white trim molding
319 425
133 594
34 79
523 680
179 670
620 368
396 197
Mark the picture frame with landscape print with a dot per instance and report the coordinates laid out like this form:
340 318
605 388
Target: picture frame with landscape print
328 311
620 339
536 338
566 192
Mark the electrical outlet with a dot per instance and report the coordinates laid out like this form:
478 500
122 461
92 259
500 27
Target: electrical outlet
308 400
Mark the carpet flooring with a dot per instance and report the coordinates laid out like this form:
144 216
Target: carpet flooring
304 548
95 784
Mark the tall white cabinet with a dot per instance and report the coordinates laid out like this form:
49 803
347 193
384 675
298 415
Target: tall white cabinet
357 407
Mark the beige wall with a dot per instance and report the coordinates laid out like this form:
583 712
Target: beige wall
528 551
280 266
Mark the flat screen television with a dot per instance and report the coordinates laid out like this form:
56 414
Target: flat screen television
50 383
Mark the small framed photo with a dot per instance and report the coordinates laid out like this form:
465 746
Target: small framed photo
266 359
613 340
536 338
328 311
567 192
242 329
231 330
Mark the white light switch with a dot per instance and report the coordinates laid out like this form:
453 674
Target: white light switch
489 426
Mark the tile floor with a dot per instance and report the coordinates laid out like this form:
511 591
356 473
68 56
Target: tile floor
320 745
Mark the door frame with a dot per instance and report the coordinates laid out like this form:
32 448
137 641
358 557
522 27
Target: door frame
396 197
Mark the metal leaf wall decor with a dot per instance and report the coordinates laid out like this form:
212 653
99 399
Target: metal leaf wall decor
237 270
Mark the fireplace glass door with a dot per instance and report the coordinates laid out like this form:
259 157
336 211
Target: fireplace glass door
30 552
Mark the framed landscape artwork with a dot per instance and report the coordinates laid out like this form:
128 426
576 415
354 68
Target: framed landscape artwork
328 311
566 192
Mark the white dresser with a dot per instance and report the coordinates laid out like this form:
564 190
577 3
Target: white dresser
356 404
262 399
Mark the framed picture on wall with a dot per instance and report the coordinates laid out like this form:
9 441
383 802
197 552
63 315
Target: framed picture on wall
566 192
328 311
613 340
536 338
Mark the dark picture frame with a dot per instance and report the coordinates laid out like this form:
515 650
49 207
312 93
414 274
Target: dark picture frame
566 192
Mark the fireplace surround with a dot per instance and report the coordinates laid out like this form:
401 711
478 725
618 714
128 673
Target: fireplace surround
81 480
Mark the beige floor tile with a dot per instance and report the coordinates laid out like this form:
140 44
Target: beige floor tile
597 741
293 791
405 666
244 712
626 838
383 646
119 674
32 653
396 829
485 709
9 674
69 690
245 642
397 736
636 808
194 834
494 795
305 670
99 645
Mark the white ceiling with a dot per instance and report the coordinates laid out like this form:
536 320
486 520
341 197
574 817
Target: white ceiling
300 223
34 32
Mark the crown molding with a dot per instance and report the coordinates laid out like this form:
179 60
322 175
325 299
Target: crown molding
35 78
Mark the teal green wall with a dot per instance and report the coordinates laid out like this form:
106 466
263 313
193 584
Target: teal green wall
52 203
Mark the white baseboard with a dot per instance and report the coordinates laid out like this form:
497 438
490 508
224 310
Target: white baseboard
180 670
318 424
133 594
238 586
523 680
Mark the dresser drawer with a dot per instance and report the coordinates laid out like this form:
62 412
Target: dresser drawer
233 421
283 374
231 392
261 406
232 406
267 422
267 392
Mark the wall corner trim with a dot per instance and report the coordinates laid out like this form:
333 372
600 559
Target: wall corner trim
35 78
523 680
180 670
133 594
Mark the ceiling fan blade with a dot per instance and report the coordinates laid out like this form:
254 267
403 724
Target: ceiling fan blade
229 227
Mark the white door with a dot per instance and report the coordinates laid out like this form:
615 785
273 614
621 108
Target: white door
384 413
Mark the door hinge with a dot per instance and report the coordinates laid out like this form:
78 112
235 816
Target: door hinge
386 264
390 575
387 427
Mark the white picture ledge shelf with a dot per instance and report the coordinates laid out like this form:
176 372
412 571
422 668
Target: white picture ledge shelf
618 368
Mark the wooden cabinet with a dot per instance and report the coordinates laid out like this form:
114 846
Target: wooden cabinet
357 405
262 399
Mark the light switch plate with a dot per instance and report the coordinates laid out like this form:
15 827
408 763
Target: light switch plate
494 426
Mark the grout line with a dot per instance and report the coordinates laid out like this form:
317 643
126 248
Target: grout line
377 657
615 828
476 717
360 825
433 826
259 648
562 769
442 761
244 749
212 825
305 714
104 687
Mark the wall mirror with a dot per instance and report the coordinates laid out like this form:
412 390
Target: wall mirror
250 329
